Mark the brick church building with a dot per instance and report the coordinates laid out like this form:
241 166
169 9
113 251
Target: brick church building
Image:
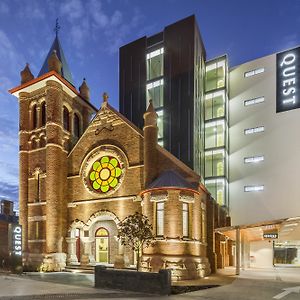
80 176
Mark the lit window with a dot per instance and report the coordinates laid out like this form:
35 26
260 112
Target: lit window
217 188
215 105
160 207
155 63
161 142
215 163
254 101
253 159
185 219
214 134
160 123
155 53
215 74
253 188
254 72
254 130
155 92
105 174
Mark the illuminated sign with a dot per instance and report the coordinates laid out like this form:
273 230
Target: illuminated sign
288 80
15 235
271 235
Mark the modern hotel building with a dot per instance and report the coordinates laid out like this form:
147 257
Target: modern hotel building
246 121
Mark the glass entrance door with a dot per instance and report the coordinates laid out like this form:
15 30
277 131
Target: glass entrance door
287 253
102 245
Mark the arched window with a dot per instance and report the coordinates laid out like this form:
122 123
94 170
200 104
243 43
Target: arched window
66 119
102 245
76 126
43 113
101 232
34 116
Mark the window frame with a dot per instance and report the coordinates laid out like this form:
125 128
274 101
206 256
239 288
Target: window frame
160 233
185 211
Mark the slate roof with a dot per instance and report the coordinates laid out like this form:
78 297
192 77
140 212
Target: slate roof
65 71
171 178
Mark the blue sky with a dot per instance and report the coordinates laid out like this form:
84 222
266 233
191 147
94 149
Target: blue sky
93 30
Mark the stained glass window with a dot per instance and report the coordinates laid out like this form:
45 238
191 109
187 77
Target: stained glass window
102 232
105 174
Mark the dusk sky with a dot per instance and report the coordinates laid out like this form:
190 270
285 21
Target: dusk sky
92 32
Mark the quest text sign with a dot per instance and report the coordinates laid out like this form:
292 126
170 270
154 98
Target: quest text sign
271 235
15 242
288 80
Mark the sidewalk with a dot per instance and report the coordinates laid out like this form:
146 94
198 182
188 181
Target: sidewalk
227 276
23 288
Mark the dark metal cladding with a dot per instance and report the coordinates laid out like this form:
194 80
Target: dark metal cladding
65 71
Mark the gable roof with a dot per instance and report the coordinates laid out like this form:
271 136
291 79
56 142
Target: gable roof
65 70
108 115
170 178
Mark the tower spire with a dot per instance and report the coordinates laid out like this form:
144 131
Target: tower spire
57 27
65 70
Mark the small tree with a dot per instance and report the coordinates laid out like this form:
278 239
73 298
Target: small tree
135 231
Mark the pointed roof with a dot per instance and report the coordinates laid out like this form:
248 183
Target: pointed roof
170 178
65 71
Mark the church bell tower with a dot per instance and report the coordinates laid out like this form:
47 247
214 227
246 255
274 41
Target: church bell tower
53 116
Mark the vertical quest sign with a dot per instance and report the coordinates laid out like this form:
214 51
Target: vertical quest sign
15 242
288 80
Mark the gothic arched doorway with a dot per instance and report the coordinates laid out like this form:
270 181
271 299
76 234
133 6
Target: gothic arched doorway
102 245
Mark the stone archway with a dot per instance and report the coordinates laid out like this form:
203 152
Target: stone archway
101 219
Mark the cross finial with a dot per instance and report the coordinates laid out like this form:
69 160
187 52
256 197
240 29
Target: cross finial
105 97
57 27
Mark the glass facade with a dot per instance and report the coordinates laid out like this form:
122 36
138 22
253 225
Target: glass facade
215 163
215 105
155 92
215 134
155 63
216 129
218 189
155 87
198 117
287 253
215 74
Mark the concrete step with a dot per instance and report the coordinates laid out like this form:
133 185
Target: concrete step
80 269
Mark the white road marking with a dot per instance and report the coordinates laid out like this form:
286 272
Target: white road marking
295 289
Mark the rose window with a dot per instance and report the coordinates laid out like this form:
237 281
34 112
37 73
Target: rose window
105 174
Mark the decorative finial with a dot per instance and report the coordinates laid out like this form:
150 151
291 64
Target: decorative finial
150 106
57 27
54 64
105 97
26 74
84 90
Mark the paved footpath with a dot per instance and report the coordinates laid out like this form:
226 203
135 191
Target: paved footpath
26 288
278 284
